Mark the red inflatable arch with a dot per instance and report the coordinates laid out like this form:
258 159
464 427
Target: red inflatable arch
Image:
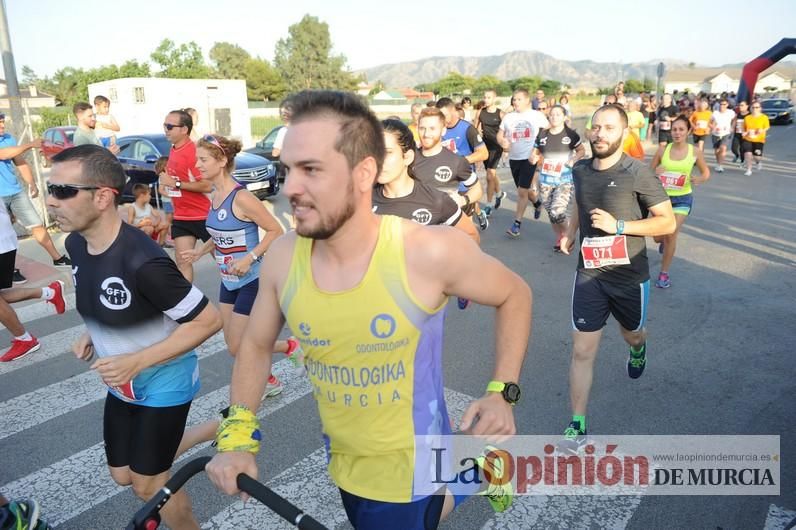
746 89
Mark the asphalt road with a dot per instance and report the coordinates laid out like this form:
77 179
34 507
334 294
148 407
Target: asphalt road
720 363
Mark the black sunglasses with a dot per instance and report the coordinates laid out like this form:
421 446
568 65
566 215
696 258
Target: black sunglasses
170 126
67 191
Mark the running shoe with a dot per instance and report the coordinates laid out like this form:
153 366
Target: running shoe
58 299
463 303
574 438
636 362
487 210
295 354
514 229
273 387
500 496
483 222
20 348
25 514
63 261
499 198
19 278
758 166
557 247
719 169
734 160
748 173
537 209
663 281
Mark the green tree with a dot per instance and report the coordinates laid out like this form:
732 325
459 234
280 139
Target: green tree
29 77
305 58
484 83
230 60
550 87
263 82
453 84
528 83
180 62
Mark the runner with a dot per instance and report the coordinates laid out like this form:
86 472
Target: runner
183 183
754 138
488 122
738 127
463 139
613 194
517 135
22 342
397 192
354 281
721 124
673 165
143 320
441 168
234 221
556 149
700 123
665 114
415 111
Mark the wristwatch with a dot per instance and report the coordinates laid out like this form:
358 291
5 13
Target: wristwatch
177 184
509 391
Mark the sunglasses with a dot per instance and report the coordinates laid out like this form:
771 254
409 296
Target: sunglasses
67 191
170 126
209 138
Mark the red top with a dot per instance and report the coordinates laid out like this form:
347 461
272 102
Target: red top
188 205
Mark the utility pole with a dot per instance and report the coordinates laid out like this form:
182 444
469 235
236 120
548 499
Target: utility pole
10 69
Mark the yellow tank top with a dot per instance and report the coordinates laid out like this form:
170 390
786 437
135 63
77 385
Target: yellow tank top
676 178
374 358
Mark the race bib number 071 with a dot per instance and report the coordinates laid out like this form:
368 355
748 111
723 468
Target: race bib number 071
603 251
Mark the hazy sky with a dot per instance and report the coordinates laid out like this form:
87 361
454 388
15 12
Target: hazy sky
50 34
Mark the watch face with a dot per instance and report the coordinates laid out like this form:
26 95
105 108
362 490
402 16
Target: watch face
511 392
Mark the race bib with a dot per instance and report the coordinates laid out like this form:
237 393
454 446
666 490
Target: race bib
665 125
173 192
553 168
752 133
126 390
701 124
739 127
672 180
521 134
721 131
603 251
450 145
222 262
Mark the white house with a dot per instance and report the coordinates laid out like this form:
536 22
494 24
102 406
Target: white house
140 104
30 96
718 80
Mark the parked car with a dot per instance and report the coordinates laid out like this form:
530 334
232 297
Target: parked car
53 141
138 155
778 110
265 148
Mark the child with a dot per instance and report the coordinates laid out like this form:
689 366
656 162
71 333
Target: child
168 207
143 216
106 124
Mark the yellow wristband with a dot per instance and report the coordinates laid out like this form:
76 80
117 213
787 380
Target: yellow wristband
239 431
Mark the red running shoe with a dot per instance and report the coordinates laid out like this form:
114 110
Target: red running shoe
20 348
58 300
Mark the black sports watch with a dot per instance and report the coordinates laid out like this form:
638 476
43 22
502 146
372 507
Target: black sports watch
510 391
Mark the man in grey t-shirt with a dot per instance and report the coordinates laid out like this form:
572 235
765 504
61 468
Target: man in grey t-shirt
613 196
86 121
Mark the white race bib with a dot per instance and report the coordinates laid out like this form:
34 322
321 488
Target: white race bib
222 262
672 180
603 251
665 125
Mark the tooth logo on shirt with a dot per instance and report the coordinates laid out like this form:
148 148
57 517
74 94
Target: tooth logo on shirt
382 326
115 295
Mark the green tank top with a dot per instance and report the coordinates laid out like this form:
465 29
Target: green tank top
676 178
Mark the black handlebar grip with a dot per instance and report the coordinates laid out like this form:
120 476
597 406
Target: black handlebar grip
278 504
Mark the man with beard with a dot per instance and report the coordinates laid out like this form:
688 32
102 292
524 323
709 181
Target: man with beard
367 295
613 196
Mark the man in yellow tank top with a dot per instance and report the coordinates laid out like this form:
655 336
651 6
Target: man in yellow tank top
366 295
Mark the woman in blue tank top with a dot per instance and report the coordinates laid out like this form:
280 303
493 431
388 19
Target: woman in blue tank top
233 223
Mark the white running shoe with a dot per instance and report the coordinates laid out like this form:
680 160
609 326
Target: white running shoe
748 173
719 169
759 166
273 387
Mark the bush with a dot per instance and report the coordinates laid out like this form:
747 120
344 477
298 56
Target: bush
262 125
55 117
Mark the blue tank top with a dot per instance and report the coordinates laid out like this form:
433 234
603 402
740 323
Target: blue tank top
234 239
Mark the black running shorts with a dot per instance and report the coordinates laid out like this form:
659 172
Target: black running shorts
144 438
756 148
522 172
594 300
492 161
7 260
196 229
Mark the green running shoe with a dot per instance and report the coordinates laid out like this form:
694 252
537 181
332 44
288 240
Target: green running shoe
574 438
636 362
500 496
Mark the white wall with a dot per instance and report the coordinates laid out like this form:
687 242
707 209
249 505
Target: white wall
772 80
163 95
694 87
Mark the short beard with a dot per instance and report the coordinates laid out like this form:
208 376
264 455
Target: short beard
329 227
612 148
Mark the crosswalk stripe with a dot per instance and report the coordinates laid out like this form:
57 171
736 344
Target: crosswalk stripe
40 309
75 484
307 485
779 518
52 345
45 403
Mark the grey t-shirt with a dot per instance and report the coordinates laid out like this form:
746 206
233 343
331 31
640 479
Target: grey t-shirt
82 137
626 190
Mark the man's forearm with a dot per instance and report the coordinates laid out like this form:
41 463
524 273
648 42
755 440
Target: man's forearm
250 372
659 225
183 339
200 186
7 153
512 331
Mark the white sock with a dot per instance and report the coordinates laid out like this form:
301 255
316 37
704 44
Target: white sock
47 293
26 336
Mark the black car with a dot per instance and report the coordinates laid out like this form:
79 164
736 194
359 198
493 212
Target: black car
138 155
265 148
777 110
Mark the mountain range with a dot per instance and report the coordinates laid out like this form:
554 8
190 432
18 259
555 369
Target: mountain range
511 65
